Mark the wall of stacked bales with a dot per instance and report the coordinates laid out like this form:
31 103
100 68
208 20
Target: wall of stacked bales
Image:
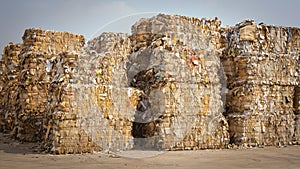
30 75
262 64
163 87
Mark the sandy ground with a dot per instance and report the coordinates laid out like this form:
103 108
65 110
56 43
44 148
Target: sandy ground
17 155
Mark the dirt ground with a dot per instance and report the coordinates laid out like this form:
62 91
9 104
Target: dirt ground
17 155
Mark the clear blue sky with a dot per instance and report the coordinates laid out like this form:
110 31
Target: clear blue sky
90 16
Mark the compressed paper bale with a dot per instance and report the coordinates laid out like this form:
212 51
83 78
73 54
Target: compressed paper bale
256 130
267 69
172 25
72 144
40 40
261 100
105 42
248 32
267 39
229 67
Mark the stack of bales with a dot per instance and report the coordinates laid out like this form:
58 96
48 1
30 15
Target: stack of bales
261 63
31 74
64 132
40 48
105 104
168 77
8 86
181 56
162 87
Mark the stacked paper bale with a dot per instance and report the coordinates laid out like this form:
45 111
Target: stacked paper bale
8 86
50 92
105 43
103 95
175 63
64 133
261 63
39 49
52 42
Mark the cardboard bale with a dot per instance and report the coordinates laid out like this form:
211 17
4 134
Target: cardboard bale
249 37
261 100
104 43
52 42
259 130
262 69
